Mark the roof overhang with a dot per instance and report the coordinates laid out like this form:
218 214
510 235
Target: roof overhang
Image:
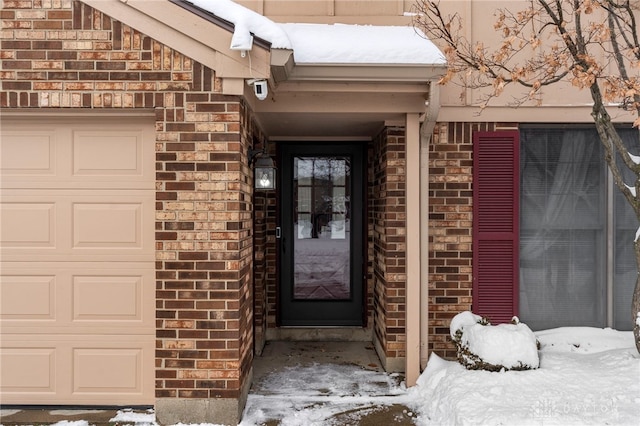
306 100
316 101
284 68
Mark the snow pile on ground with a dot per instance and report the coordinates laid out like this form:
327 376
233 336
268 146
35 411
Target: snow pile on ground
587 376
130 417
482 346
137 418
583 340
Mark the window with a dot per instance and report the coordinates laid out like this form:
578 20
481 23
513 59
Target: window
577 265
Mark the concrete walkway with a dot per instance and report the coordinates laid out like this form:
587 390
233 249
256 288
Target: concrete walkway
284 377
344 380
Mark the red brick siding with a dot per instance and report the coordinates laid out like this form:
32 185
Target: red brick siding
263 247
64 54
370 255
260 268
266 217
389 242
271 260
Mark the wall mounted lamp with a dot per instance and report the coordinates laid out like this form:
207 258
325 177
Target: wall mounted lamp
264 170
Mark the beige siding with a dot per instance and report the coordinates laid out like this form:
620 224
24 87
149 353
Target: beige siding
560 103
379 12
77 277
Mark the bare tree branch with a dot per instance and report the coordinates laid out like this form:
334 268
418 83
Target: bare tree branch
553 41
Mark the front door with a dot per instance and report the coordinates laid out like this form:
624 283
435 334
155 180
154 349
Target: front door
321 240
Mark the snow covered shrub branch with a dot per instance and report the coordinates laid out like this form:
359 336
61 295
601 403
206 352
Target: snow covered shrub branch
503 347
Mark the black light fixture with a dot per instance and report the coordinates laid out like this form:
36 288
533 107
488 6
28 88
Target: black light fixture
264 170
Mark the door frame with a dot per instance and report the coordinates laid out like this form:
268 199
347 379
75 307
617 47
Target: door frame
359 274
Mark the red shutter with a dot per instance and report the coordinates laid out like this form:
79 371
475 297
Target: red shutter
495 224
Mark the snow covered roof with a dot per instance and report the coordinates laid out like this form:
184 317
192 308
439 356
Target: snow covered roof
361 44
245 22
327 43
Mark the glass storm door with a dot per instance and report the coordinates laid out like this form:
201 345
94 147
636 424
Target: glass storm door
321 244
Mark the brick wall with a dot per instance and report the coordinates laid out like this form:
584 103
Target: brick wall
64 54
389 243
450 228
271 259
370 254
267 215
264 222
260 269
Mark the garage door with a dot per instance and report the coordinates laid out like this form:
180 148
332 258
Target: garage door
77 260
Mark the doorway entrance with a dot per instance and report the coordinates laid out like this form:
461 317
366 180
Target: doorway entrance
321 238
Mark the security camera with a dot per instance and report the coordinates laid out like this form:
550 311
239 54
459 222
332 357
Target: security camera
260 89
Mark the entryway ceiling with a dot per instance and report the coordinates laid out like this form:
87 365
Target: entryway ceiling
325 125
336 110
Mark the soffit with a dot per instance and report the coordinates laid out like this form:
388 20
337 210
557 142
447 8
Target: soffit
336 110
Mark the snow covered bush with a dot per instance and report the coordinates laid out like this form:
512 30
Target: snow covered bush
482 346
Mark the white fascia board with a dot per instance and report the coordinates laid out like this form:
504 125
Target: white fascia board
366 72
285 69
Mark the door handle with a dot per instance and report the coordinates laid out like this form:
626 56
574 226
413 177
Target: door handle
280 237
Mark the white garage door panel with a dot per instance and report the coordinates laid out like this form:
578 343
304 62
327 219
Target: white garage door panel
27 224
27 297
41 150
77 252
116 154
39 377
99 370
77 298
103 225
77 369
109 298
120 225
66 153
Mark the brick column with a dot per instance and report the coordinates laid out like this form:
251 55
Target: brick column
204 287
390 248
